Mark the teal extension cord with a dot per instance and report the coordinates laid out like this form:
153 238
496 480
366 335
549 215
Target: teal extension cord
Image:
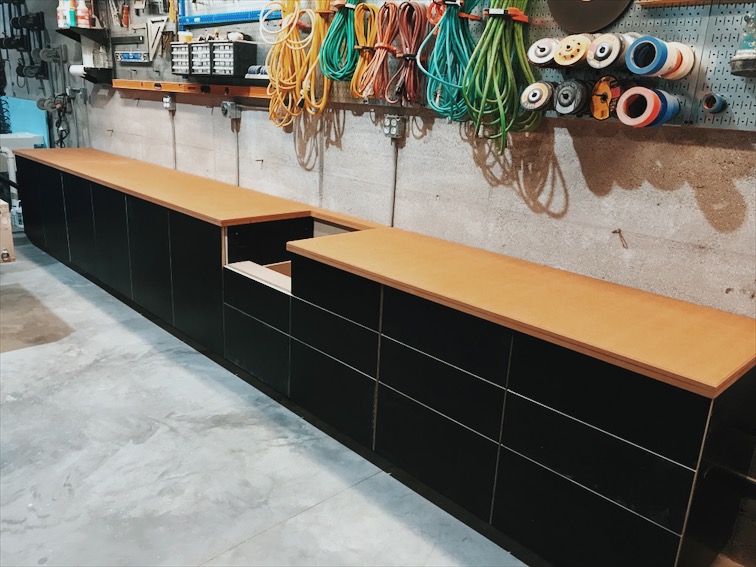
453 48
497 73
338 56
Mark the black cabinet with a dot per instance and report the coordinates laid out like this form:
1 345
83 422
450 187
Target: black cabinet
256 328
77 194
113 266
31 198
196 273
150 252
41 195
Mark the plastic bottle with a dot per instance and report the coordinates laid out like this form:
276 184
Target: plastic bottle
83 17
62 14
72 13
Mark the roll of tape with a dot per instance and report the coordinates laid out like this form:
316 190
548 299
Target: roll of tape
538 96
668 109
606 50
573 50
687 61
77 70
714 103
647 56
605 95
541 53
638 107
571 97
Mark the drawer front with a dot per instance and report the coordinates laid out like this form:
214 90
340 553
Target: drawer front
352 344
256 299
257 348
449 458
654 487
658 417
566 524
345 294
470 343
333 392
460 396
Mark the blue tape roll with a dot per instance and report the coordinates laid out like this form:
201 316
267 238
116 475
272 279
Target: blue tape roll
646 56
670 106
714 103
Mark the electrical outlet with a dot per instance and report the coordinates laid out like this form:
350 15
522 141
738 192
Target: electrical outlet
169 102
230 110
394 126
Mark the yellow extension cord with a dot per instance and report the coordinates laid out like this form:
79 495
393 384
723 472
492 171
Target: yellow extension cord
316 87
287 61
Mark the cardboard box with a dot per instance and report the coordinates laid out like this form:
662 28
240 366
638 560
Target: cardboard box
7 254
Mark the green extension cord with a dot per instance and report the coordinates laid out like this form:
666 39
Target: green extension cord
492 79
447 62
338 56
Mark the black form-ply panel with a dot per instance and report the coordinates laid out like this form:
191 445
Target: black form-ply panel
659 417
352 344
30 195
257 299
723 489
150 257
655 488
265 242
461 396
257 348
196 273
353 297
568 525
111 239
451 459
335 393
473 344
54 213
80 220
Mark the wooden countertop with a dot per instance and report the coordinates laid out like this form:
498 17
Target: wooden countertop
696 348
212 201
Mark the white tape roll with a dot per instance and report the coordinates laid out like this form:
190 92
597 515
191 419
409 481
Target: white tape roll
77 71
687 60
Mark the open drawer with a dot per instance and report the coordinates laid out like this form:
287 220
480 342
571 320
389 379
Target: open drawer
258 251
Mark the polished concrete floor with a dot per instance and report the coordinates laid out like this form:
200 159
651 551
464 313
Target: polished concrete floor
121 445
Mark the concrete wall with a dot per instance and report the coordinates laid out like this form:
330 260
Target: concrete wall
669 210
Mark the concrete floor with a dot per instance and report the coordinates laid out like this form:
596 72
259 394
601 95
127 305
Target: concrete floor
121 445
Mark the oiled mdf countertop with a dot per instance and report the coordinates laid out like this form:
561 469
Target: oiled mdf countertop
696 348
212 201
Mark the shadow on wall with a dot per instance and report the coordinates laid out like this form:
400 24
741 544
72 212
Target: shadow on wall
710 162
529 167
307 129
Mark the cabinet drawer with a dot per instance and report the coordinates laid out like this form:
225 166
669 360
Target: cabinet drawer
352 344
454 393
257 299
335 393
566 524
451 459
470 343
654 487
350 296
265 242
257 348
659 417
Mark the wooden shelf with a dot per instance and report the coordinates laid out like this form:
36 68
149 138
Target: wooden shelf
192 88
